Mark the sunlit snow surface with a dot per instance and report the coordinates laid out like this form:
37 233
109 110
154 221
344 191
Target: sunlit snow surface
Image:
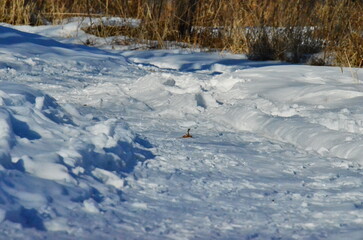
91 147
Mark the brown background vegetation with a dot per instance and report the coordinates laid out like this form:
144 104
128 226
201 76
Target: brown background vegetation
264 29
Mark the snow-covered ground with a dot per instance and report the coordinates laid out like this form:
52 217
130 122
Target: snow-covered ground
91 147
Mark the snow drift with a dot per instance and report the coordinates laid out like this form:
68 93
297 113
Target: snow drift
46 153
275 154
55 161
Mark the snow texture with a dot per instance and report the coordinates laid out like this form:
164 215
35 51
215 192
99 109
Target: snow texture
91 147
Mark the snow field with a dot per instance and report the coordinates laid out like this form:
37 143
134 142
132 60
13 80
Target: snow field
292 111
91 144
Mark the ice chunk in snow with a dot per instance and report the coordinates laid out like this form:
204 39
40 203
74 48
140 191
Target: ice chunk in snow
90 206
6 133
108 178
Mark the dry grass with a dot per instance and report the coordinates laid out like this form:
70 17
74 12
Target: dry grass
264 29
343 31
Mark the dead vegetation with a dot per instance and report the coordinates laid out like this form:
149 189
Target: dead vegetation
263 29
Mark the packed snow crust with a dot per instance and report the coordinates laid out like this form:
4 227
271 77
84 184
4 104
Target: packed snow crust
91 147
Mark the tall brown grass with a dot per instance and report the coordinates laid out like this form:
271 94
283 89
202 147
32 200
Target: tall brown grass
264 29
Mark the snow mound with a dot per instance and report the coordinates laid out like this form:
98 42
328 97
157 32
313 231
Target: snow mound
23 52
312 113
192 61
49 154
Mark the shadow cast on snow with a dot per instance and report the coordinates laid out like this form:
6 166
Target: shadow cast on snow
194 62
122 158
240 63
9 36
